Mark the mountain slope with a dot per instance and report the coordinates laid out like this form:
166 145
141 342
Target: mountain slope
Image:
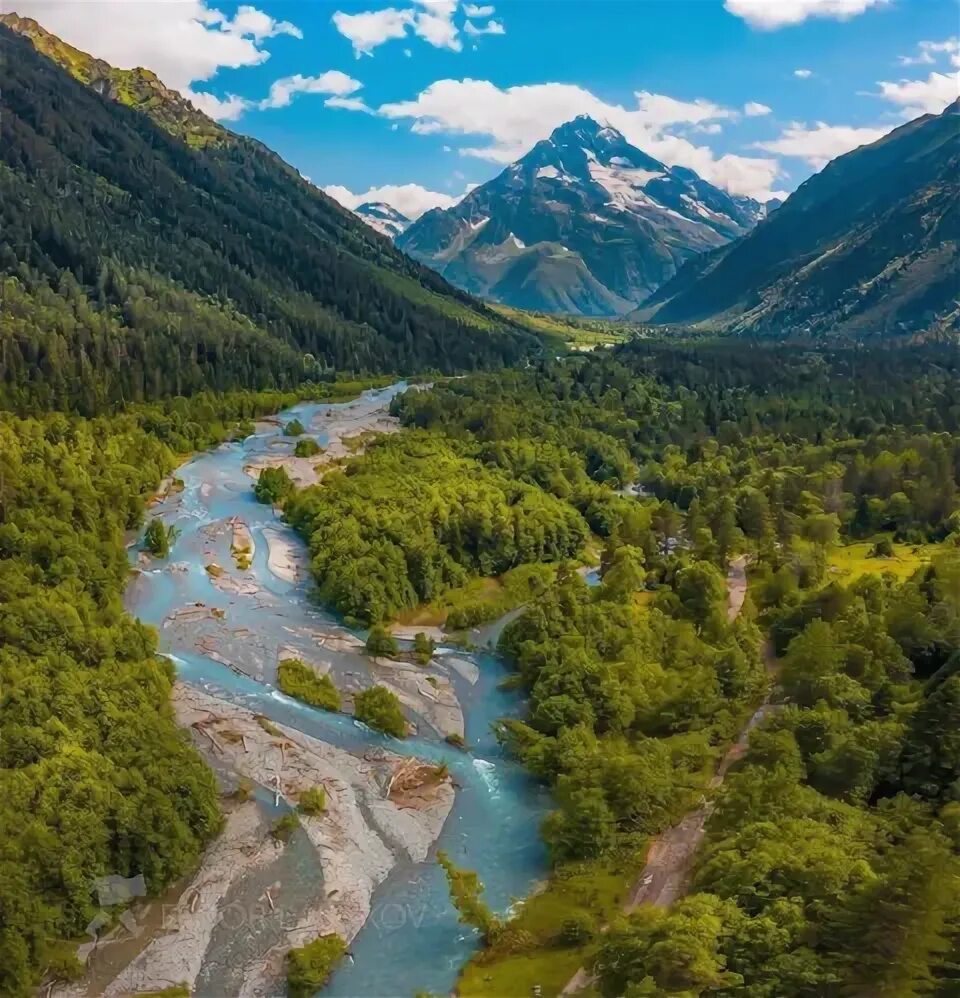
869 245
585 222
382 217
145 250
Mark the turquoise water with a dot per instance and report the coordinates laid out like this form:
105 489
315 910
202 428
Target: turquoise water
412 940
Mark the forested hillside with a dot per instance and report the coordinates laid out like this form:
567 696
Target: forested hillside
146 251
832 859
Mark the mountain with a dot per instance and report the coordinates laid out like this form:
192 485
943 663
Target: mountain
584 223
383 217
146 250
870 245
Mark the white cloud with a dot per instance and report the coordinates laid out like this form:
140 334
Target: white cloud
349 104
754 109
768 15
819 144
372 28
916 97
490 28
431 20
229 108
410 199
803 74
332 82
434 24
181 42
250 21
928 53
472 10
713 128
512 120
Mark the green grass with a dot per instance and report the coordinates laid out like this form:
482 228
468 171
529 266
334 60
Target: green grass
848 563
598 888
572 331
482 599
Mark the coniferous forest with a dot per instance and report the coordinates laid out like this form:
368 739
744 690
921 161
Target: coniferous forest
136 265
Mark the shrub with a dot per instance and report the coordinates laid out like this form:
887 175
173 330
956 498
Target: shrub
312 801
423 648
309 967
273 485
381 642
577 930
293 429
297 679
307 447
380 709
882 549
285 826
158 538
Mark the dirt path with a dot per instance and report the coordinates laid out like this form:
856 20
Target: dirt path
670 858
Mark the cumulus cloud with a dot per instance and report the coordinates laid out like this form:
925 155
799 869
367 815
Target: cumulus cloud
803 74
916 97
332 82
768 15
434 24
181 42
929 53
490 28
430 20
368 30
411 200
754 109
818 144
512 120
229 108
349 104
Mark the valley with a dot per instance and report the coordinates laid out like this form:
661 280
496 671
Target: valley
543 584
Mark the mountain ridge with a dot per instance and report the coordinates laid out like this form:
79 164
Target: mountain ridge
147 264
584 222
867 245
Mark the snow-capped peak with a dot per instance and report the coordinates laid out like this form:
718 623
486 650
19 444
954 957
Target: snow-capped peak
383 217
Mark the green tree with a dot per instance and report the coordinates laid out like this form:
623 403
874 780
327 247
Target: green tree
381 642
309 967
380 709
466 893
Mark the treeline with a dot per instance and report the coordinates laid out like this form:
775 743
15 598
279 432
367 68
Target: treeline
135 266
96 779
777 451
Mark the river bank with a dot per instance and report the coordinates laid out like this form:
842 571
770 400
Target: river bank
363 868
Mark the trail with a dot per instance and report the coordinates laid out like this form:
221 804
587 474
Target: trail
664 877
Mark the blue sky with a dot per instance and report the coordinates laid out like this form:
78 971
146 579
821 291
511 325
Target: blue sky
415 100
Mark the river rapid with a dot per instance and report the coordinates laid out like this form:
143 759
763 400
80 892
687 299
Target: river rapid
225 636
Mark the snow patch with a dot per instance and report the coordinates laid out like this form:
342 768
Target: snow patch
479 224
547 173
623 185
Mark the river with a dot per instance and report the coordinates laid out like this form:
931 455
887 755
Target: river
229 645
